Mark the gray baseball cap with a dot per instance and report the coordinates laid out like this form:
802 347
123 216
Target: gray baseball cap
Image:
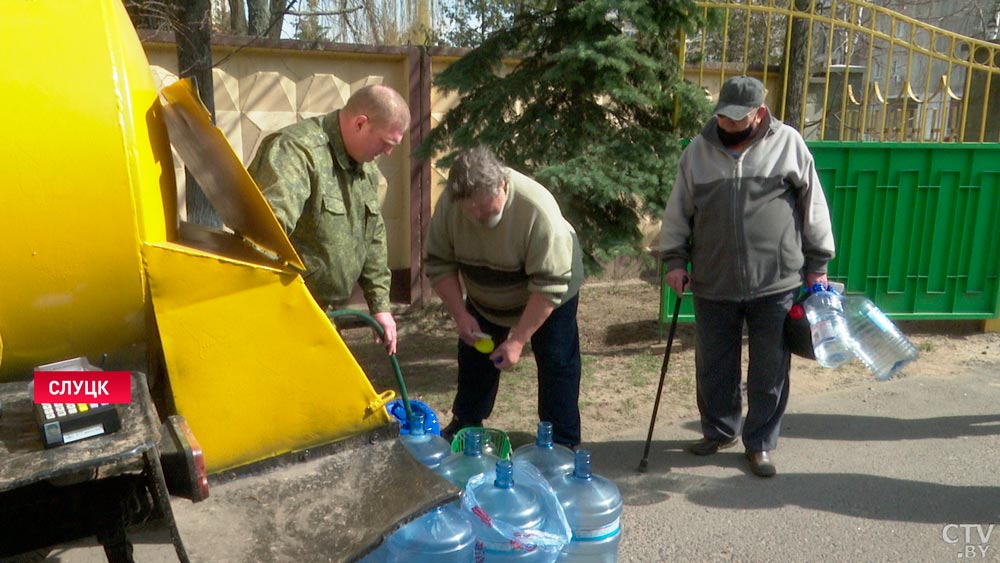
739 96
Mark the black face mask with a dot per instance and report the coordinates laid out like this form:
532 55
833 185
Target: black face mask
731 139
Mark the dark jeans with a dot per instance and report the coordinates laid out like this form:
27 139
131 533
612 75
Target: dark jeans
719 370
556 345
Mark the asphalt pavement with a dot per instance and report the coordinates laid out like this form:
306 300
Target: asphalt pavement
901 471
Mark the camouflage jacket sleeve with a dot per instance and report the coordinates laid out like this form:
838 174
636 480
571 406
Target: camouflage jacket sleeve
281 170
375 275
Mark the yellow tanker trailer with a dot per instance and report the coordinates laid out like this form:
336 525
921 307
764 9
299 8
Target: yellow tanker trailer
95 261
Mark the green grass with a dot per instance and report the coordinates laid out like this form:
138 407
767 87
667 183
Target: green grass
627 406
644 368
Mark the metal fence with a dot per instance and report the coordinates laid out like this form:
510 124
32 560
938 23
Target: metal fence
853 71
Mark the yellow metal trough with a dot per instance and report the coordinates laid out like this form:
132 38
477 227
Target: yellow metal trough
95 260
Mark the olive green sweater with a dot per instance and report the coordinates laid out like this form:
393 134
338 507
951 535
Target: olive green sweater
533 249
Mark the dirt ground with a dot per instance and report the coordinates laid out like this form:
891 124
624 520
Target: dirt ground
622 357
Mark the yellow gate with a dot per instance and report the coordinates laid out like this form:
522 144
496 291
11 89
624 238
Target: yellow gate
849 70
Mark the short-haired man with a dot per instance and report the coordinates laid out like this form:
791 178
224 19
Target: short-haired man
319 177
502 235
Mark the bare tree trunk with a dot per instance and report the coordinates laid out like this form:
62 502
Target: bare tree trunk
374 19
237 17
194 59
979 97
798 68
993 25
258 17
348 23
277 19
421 23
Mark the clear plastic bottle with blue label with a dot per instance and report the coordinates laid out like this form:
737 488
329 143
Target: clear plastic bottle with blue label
878 342
458 467
551 460
428 449
593 507
443 535
828 325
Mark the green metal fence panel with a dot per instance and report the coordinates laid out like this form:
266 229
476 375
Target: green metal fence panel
917 227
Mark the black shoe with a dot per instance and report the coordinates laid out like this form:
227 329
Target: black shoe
708 446
761 464
448 432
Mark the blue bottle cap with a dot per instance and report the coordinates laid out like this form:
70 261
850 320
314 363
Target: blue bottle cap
505 474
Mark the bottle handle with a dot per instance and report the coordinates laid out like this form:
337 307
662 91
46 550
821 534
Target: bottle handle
818 287
832 287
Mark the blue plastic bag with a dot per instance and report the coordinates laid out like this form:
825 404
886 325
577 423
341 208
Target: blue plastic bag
398 411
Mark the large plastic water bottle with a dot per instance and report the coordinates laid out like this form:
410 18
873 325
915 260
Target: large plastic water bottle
828 325
551 460
593 506
878 343
380 555
458 467
440 536
518 506
428 449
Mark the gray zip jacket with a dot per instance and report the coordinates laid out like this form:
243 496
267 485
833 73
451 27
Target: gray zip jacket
750 224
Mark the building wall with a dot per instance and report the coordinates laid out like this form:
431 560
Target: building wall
259 90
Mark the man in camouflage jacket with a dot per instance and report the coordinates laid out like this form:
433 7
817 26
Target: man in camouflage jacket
319 177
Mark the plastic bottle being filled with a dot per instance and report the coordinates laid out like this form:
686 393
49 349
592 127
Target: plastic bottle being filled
458 467
593 507
551 460
428 449
878 342
828 326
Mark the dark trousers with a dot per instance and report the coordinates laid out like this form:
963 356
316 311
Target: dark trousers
719 371
556 345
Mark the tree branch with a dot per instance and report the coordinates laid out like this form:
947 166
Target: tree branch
343 12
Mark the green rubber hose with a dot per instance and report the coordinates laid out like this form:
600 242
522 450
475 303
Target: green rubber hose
333 315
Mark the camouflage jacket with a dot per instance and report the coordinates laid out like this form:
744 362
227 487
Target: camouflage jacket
328 206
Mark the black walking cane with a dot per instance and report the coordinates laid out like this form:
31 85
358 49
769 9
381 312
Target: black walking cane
663 373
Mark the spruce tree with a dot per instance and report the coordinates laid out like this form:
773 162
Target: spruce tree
595 108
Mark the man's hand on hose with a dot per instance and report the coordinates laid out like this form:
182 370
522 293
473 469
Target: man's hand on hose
388 324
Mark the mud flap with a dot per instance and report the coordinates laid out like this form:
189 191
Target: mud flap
333 503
